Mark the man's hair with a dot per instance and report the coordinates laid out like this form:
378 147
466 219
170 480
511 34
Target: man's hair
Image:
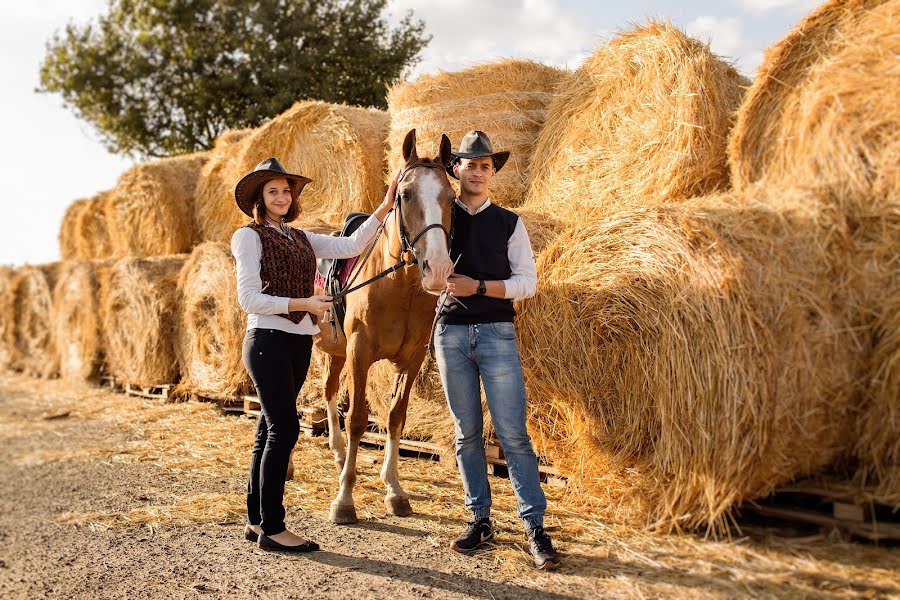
259 206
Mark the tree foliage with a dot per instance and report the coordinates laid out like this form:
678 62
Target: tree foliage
161 77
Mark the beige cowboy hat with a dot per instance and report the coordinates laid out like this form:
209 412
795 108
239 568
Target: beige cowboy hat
245 192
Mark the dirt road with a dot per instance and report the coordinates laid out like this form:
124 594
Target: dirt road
108 496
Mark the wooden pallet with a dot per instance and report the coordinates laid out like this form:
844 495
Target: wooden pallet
496 460
832 509
414 448
313 421
156 392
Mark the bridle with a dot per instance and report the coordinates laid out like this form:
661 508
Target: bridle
408 252
407 244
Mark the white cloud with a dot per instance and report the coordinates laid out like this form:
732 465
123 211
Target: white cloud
723 34
761 6
467 32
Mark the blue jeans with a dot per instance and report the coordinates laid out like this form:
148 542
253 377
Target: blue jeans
489 351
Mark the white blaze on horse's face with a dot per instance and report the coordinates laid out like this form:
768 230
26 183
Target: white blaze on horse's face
434 255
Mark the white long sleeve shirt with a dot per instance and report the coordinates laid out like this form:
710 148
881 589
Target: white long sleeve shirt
523 282
263 309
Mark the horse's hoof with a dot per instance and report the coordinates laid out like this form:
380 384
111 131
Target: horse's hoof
342 515
397 506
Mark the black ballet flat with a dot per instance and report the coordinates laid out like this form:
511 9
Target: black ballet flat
267 543
250 535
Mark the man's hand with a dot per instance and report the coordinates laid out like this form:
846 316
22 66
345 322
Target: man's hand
462 286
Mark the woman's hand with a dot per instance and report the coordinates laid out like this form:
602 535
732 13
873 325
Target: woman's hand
388 203
316 305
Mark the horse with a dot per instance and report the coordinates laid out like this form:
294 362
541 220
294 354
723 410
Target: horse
391 318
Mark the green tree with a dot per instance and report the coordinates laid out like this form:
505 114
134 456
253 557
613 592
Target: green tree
162 77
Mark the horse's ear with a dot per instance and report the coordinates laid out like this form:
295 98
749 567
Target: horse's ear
409 147
446 149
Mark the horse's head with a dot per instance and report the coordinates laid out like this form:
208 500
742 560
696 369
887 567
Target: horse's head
425 211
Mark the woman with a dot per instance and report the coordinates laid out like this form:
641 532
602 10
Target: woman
275 270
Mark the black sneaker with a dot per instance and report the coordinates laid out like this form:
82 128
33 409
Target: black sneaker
542 550
477 533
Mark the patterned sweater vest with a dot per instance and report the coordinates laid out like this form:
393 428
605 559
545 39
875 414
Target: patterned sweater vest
287 267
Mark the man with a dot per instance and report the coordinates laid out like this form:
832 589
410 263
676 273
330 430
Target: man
476 339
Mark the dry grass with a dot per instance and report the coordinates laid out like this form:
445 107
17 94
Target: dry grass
618 561
29 309
7 318
140 315
84 234
211 325
683 358
68 228
77 317
644 120
823 112
150 210
507 99
341 148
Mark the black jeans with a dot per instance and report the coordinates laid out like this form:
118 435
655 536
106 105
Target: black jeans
277 362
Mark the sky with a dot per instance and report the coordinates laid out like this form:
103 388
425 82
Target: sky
49 158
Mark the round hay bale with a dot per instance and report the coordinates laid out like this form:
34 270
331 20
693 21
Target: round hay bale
823 108
684 357
506 99
211 326
7 318
341 148
644 120
91 230
140 314
69 227
150 212
30 311
77 320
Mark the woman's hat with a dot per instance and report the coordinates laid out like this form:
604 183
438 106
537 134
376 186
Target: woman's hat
477 144
245 192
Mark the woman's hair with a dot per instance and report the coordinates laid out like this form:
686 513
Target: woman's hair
259 206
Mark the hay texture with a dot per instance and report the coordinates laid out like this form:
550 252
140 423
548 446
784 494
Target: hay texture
212 324
29 311
823 108
644 120
77 318
150 211
341 148
140 314
7 317
823 112
68 228
83 233
685 357
507 100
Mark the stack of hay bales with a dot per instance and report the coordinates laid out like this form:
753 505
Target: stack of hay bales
84 234
140 317
341 148
824 112
150 211
29 311
211 325
683 357
77 318
644 120
7 318
507 100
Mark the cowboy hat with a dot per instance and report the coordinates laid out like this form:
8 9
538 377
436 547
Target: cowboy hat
245 192
477 144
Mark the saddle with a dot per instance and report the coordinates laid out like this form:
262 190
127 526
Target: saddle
332 273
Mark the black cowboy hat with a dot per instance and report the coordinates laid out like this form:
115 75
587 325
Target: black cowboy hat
245 192
477 144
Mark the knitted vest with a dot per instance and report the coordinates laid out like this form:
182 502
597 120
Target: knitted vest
287 266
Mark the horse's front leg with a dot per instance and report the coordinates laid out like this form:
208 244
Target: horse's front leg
343 510
333 366
396 500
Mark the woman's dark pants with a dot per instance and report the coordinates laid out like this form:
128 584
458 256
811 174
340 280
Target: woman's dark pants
277 362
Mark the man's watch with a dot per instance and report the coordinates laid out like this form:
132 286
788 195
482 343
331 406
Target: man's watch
482 289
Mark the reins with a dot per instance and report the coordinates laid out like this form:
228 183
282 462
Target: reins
407 248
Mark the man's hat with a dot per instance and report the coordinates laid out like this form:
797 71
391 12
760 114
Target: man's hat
477 144
245 192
